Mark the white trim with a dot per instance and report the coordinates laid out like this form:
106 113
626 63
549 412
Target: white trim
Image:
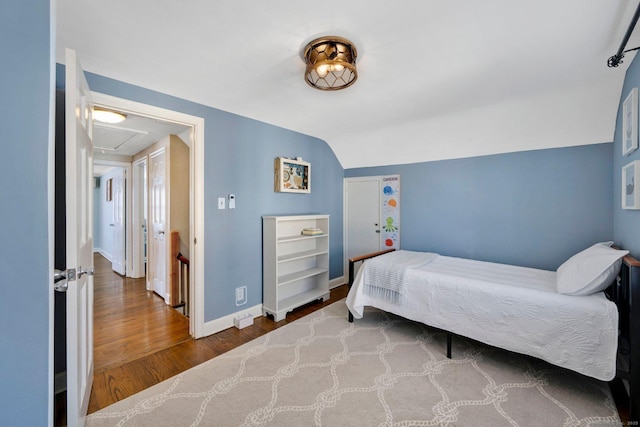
226 322
137 212
338 281
196 284
196 179
104 253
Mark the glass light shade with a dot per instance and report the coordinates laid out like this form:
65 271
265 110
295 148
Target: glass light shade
331 63
108 116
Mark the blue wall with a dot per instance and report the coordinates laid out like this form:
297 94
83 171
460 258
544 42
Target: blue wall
534 208
25 291
103 216
626 223
239 154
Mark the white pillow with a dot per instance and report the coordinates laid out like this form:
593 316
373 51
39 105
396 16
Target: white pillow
590 271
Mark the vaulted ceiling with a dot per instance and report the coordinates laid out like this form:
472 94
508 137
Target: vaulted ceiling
436 79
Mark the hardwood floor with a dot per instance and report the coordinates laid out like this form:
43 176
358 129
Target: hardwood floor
130 322
120 381
140 341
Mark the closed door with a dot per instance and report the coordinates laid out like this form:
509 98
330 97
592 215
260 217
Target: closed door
362 216
158 223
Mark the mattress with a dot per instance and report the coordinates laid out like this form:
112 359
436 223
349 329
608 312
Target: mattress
514 308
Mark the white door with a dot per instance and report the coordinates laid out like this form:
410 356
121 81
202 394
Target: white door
158 222
79 240
362 216
117 188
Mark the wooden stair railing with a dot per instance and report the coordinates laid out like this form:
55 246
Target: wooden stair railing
179 275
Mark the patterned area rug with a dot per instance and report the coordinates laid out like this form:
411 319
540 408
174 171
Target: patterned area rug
378 371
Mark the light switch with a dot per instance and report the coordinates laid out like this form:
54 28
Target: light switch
221 202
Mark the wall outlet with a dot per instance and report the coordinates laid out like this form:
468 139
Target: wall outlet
221 202
241 295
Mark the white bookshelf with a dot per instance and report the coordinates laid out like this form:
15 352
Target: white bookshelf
295 266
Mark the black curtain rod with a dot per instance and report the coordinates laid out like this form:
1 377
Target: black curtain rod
616 59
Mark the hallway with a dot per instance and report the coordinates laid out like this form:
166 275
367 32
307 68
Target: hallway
130 322
130 325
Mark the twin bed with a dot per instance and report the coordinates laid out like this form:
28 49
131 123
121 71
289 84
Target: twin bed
563 317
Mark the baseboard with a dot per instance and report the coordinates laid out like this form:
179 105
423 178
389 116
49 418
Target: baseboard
338 281
60 382
107 255
226 322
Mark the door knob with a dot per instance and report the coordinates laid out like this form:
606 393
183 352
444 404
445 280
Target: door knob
59 275
61 279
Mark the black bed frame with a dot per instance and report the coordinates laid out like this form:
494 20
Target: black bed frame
625 293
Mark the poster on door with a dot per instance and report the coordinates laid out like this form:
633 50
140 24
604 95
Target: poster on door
390 212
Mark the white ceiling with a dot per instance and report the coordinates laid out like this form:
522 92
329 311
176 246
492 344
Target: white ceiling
132 135
437 79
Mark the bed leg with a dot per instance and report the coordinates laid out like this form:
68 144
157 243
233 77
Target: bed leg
449 339
350 317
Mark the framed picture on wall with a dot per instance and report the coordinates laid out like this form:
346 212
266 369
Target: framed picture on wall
292 176
630 122
630 192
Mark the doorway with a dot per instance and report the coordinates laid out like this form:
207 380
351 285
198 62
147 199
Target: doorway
158 194
361 217
111 230
117 289
135 204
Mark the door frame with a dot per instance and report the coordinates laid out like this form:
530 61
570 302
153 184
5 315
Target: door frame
127 205
138 183
196 199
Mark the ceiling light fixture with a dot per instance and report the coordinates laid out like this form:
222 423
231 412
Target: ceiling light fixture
331 63
108 116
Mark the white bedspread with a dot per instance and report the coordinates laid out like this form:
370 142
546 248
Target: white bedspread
387 278
514 308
